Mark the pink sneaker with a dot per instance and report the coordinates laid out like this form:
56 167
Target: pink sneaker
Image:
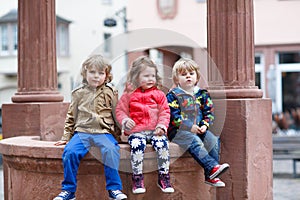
164 183
138 184
218 170
216 182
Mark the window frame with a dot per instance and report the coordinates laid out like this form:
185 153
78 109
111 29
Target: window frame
280 68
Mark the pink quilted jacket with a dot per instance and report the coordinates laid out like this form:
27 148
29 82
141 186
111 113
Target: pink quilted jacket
147 108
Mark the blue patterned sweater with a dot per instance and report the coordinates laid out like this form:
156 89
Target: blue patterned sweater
187 109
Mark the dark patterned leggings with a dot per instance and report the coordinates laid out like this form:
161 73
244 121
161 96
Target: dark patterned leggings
138 141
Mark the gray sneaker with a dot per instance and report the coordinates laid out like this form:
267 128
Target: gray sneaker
65 195
116 195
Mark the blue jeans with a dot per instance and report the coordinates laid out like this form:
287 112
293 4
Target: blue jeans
79 146
204 148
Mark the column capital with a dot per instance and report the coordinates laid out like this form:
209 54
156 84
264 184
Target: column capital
231 49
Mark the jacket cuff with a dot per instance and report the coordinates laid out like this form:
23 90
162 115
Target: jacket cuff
124 123
66 137
163 127
203 122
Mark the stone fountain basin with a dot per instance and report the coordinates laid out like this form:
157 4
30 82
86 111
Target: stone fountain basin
34 171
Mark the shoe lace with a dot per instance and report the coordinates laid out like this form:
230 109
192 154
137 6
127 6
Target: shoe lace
138 181
115 192
64 193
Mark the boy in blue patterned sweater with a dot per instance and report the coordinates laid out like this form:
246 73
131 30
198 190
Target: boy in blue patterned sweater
191 115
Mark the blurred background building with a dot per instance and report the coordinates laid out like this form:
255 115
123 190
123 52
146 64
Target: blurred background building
84 27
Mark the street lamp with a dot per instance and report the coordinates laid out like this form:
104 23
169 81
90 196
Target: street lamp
111 22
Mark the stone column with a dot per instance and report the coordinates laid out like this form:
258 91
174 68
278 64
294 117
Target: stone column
246 136
37 106
231 47
37 74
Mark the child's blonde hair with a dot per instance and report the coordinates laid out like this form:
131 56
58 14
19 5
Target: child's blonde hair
139 65
183 65
100 64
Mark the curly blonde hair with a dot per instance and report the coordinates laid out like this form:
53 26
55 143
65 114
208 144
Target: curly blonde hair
100 63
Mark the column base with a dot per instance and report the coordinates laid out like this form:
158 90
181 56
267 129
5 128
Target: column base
235 93
22 97
246 144
41 119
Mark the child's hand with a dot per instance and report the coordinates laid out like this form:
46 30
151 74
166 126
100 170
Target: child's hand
198 130
129 124
159 131
203 129
195 129
60 142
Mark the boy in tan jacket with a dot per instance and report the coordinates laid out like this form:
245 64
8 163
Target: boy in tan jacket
90 122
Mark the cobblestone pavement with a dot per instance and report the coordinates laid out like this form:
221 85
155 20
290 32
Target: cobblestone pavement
285 187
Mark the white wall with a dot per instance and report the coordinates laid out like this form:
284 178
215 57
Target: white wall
7 5
277 21
189 21
86 32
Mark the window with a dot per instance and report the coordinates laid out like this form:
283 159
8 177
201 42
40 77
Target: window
287 80
8 39
15 38
107 44
259 72
289 57
257 59
258 80
4 40
290 90
62 39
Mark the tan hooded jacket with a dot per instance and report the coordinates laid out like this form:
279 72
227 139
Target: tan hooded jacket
91 111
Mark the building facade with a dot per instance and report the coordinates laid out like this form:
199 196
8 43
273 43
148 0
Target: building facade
277 40
166 30
79 33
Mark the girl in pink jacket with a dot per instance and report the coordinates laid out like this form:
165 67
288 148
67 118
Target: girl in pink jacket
144 114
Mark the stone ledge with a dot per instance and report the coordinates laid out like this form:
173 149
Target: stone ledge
29 162
28 145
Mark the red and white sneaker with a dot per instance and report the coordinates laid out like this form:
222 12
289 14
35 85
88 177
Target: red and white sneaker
216 182
218 170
